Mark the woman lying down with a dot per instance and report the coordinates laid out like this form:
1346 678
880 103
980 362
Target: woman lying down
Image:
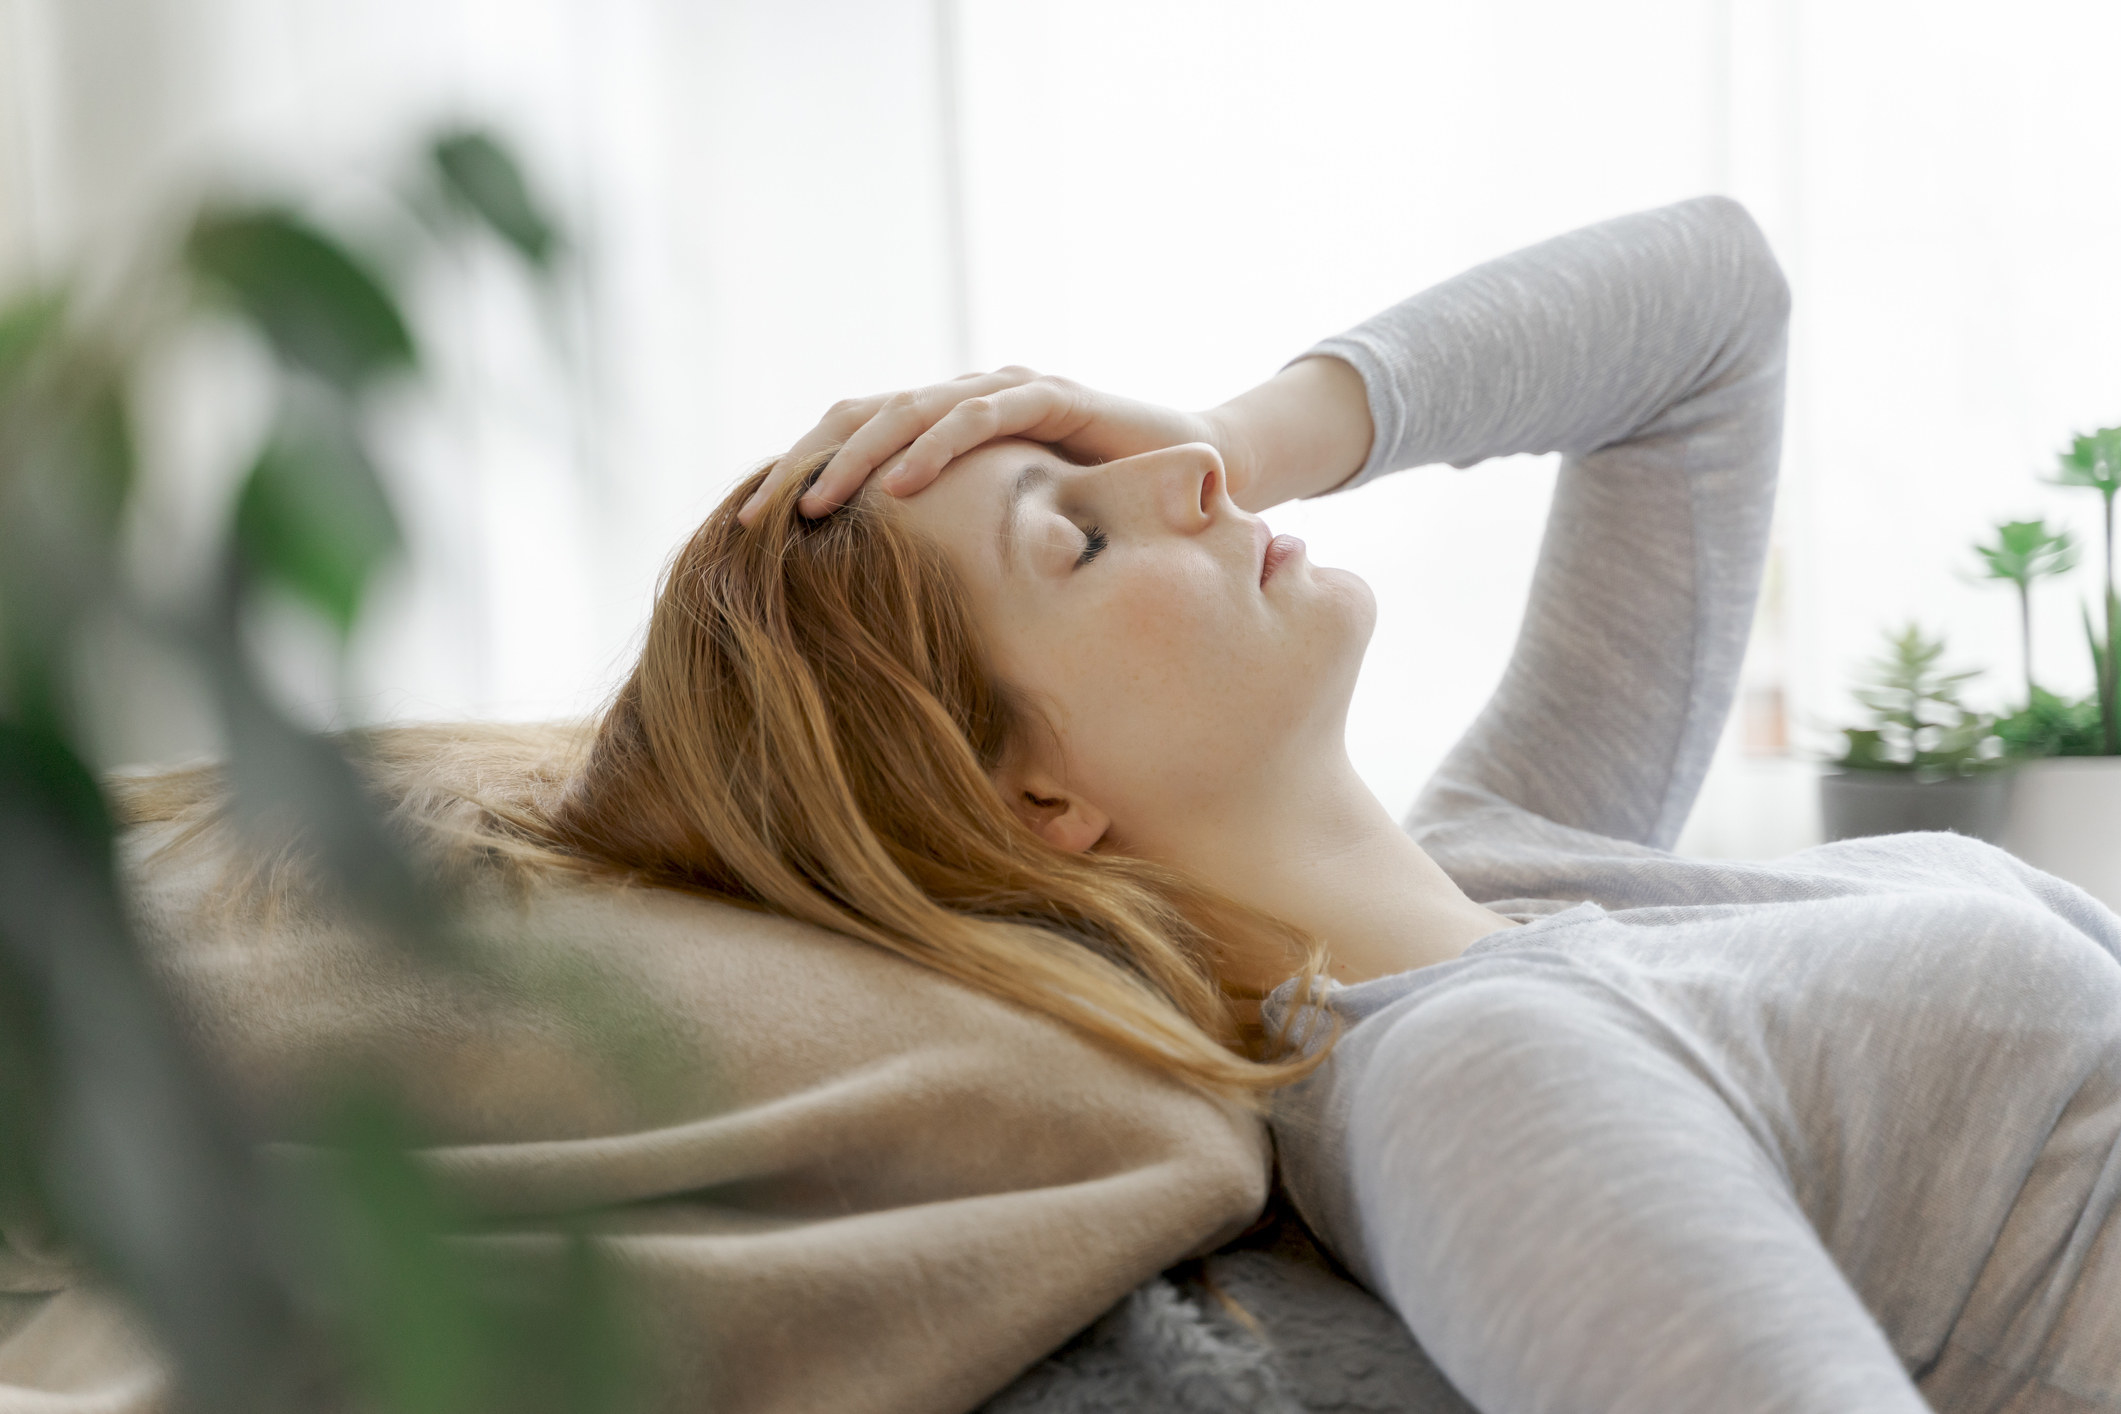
1610 1129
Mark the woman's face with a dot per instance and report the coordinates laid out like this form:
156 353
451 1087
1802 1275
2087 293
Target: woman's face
1126 599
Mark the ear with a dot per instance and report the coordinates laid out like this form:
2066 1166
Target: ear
1060 817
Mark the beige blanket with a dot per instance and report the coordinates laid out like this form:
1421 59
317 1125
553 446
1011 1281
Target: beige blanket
861 1188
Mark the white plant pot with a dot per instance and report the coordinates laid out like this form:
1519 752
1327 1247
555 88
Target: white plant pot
2065 817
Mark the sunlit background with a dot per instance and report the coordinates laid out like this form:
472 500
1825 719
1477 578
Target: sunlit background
777 203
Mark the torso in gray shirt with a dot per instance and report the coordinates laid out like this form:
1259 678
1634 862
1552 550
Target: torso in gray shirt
1837 1132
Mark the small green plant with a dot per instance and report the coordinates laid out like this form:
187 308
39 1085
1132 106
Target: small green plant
2093 461
1918 724
2049 725
2024 551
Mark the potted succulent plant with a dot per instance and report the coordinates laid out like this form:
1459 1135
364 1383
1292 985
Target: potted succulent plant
2025 551
2065 809
1925 762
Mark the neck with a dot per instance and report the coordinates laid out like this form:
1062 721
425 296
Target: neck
1328 857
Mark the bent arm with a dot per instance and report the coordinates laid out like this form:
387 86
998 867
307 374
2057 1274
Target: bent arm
1648 350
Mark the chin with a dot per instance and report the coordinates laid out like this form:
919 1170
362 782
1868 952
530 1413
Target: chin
1355 604
1352 609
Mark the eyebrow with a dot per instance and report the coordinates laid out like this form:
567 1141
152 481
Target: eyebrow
1029 479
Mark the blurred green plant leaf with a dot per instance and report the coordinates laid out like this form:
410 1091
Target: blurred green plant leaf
26 1087
2022 552
2093 460
450 1316
66 446
145 1166
312 515
39 771
2026 550
317 305
479 172
1917 720
417 1325
2050 725
96 459
2106 670
590 1359
1866 750
27 327
66 471
296 790
39 780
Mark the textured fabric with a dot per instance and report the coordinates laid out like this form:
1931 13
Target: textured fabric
861 1186
1267 1325
1833 1133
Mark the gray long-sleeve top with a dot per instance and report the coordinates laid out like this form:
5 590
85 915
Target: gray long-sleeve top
1832 1133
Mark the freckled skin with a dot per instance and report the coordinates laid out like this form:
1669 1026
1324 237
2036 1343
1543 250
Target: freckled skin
1184 693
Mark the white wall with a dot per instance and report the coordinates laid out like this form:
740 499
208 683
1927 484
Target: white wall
1170 198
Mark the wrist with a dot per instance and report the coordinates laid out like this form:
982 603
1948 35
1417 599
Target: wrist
1302 432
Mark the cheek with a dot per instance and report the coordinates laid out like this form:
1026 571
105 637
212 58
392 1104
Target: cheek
1171 635
1155 677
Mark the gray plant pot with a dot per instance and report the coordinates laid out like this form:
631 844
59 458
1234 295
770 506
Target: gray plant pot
1857 803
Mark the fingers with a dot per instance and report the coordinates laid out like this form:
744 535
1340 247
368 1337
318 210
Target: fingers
868 432
838 424
1044 410
900 419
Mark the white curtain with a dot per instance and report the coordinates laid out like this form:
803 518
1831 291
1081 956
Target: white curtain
785 201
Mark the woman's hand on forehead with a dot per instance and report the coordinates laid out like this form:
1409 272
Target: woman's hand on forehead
934 425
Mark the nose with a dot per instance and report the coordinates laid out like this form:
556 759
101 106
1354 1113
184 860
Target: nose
1187 484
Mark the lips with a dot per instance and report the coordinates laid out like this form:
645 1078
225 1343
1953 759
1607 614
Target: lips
1280 549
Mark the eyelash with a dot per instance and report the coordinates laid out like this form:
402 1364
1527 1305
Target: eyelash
1096 546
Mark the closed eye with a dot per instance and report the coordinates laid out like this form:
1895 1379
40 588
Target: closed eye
1093 546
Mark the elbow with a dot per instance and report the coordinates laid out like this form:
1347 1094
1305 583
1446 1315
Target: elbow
1749 308
1756 275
